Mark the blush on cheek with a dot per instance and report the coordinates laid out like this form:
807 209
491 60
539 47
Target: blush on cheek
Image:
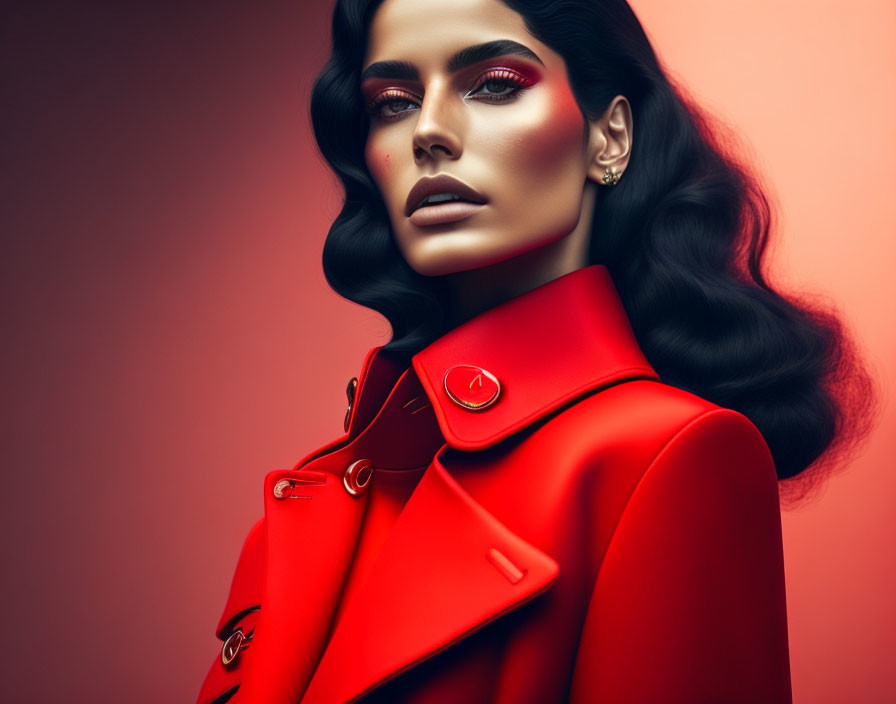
378 162
539 142
558 134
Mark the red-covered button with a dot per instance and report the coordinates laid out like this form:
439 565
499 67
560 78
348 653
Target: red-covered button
471 387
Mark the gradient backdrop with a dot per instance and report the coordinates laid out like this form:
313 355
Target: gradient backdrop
169 336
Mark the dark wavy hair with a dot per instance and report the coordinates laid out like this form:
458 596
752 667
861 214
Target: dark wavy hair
683 236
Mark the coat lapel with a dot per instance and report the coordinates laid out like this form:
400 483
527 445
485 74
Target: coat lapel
448 568
310 535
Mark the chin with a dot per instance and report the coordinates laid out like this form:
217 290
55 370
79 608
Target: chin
452 252
440 267
444 263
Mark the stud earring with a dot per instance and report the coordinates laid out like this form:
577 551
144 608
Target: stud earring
611 176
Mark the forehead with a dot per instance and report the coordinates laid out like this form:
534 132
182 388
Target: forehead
427 32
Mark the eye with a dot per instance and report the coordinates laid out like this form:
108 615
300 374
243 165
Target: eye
493 86
499 84
390 104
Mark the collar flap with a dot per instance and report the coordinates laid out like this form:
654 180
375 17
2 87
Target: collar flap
545 348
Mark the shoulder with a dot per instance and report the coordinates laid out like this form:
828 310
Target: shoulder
641 401
635 413
677 442
689 552
646 426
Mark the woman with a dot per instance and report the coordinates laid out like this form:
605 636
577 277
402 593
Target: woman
559 480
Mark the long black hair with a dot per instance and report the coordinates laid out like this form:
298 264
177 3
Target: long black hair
683 236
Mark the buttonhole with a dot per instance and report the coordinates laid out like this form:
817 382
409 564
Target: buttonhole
513 573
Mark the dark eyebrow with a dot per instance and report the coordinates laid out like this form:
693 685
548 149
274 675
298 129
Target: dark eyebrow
463 58
489 50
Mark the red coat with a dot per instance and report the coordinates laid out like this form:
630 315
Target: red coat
589 535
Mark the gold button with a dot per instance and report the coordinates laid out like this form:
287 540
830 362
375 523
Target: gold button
357 477
232 647
471 387
282 489
350 392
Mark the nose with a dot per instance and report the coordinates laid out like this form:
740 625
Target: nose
436 133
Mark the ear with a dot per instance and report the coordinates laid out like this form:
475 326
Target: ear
610 140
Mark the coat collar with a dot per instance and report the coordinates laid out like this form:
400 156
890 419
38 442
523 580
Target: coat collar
546 348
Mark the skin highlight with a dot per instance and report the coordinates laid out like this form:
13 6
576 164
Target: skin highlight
507 125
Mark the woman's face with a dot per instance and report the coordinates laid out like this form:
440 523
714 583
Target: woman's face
461 88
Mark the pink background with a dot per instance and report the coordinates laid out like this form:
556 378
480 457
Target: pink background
170 337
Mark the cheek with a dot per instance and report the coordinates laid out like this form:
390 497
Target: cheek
559 135
542 146
378 157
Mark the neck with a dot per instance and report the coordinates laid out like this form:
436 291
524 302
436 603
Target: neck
477 290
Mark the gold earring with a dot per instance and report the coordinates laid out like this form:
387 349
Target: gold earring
611 176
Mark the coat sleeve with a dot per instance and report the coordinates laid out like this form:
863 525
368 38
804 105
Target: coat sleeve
240 612
689 602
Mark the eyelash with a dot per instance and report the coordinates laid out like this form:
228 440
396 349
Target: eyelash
516 81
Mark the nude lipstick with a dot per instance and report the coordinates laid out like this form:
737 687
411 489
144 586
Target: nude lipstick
444 213
442 199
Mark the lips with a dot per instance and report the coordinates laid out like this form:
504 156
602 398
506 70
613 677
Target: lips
428 186
444 213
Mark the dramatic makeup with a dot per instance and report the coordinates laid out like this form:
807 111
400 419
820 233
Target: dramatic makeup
475 99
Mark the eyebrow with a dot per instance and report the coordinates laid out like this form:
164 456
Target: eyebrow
402 70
